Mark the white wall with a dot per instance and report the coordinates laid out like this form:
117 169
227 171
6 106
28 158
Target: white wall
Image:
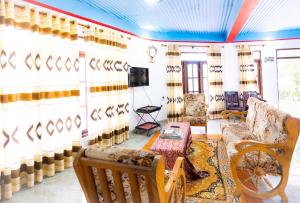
270 76
269 68
152 94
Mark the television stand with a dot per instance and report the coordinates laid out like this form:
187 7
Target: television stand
147 125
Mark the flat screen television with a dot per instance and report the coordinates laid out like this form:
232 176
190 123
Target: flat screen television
138 77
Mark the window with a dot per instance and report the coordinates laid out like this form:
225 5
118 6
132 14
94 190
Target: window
257 65
194 77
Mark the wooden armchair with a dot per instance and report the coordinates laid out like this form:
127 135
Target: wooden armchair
261 149
232 101
195 111
268 161
113 174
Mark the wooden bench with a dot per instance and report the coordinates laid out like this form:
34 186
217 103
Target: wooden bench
113 174
262 145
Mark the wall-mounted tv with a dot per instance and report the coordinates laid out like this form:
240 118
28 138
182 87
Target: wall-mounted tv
138 77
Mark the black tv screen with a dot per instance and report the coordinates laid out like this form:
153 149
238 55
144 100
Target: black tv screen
138 77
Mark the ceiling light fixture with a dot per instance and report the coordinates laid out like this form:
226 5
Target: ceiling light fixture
268 38
152 2
148 27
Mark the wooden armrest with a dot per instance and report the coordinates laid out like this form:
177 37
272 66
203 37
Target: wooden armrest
243 143
177 171
229 114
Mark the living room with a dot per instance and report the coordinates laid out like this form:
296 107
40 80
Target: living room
98 98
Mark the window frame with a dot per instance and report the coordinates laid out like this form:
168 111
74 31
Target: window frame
200 77
283 57
258 63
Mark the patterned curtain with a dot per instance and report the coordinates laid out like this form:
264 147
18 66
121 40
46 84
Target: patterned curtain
107 67
215 81
248 73
174 84
39 95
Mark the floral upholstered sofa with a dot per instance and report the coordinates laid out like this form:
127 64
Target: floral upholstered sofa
261 144
115 174
264 123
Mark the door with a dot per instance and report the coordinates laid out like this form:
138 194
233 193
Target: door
288 64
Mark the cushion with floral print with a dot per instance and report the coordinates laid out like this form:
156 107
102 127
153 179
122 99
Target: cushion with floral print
269 124
195 119
121 155
194 105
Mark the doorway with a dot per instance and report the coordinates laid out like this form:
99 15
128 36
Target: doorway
288 65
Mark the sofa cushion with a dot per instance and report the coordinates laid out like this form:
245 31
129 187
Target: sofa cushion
195 119
234 132
269 124
194 105
122 155
250 120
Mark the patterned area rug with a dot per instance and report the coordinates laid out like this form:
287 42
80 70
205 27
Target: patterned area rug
211 156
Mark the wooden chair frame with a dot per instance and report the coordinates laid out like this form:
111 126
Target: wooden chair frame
201 125
292 126
227 114
157 190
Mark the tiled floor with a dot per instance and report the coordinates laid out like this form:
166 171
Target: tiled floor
64 187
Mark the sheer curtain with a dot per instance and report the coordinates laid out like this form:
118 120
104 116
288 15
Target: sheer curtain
174 84
215 81
248 73
108 86
39 89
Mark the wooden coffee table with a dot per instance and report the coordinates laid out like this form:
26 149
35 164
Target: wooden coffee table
173 148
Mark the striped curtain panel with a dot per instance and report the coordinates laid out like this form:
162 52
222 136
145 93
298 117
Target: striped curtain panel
174 84
39 91
107 78
248 73
215 81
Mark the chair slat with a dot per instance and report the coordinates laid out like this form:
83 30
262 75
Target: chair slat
104 185
118 186
149 188
89 182
135 189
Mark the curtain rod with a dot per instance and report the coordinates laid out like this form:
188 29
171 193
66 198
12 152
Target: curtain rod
193 52
254 45
22 6
204 46
199 46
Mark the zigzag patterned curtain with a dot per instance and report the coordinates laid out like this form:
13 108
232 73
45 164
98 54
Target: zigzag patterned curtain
39 95
174 84
248 73
215 81
108 86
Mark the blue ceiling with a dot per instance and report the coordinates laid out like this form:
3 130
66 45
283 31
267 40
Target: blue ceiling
273 19
190 20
